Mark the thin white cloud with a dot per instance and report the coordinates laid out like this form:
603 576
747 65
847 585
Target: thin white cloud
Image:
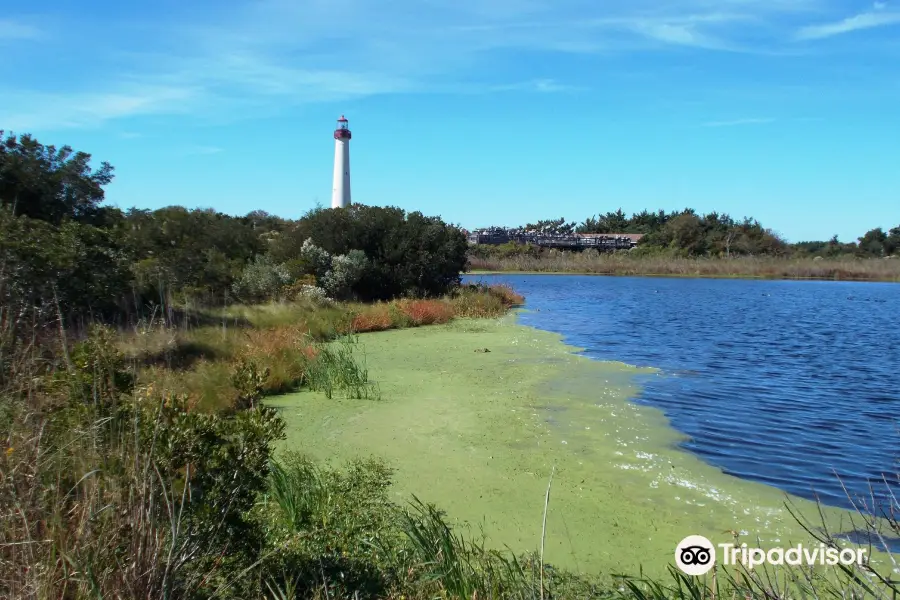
45 111
678 34
266 55
736 122
545 86
16 30
867 20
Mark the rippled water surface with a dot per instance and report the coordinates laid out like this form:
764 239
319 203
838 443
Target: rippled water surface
782 382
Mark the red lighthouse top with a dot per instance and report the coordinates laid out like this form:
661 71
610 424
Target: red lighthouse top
342 132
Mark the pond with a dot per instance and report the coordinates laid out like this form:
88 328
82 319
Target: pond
790 383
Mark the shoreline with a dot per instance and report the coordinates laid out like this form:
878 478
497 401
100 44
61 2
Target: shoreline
683 276
477 433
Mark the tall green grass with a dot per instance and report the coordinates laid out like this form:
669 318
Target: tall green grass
335 368
456 567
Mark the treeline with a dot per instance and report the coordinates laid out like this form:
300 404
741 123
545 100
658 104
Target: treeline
60 248
687 233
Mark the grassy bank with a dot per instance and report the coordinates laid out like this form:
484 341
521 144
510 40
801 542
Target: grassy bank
202 357
146 464
479 433
843 269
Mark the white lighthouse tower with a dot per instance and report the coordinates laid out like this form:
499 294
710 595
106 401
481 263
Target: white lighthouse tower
340 192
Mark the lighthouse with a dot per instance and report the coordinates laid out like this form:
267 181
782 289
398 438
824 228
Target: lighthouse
340 192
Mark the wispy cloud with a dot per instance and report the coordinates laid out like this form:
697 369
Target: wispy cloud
880 17
545 86
736 122
15 30
679 34
265 55
49 111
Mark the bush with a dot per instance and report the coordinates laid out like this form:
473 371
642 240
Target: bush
312 293
408 254
375 317
482 301
345 272
261 279
426 312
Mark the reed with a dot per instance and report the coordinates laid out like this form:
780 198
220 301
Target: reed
590 262
335 368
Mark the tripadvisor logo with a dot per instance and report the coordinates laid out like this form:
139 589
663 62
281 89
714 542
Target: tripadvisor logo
696 555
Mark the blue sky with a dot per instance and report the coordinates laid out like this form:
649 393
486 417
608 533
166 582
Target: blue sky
481 111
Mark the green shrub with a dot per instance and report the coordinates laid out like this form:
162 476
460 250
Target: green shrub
408 253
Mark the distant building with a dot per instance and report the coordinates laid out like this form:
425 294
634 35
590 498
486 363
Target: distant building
634 237
600 241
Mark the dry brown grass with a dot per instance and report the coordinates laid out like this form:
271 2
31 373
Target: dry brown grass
426 312
843 269
198 362
376 317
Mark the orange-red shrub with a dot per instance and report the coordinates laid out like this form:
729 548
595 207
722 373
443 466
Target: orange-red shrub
374 318
426 312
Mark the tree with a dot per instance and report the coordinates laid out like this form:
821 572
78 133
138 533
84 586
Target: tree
686 233
407 253
873 243
50 184
611 222
892 243
76 269
552 226
199 252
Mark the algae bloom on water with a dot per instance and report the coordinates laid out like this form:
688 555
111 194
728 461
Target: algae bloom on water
477 433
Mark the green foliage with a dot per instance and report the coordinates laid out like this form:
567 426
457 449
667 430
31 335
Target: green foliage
559 225
335 368
456 567
261 279
407 253
345 273
318 259
194 252
79 266
217 465
50 184
877 243
333 528
130 494
510 249
612 222
99 372
681 233
338 275
250 382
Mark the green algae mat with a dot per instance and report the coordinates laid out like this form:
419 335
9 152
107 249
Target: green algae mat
478 432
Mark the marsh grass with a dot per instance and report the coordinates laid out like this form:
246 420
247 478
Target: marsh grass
336 368
112 486
589 262
455 566
287 339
